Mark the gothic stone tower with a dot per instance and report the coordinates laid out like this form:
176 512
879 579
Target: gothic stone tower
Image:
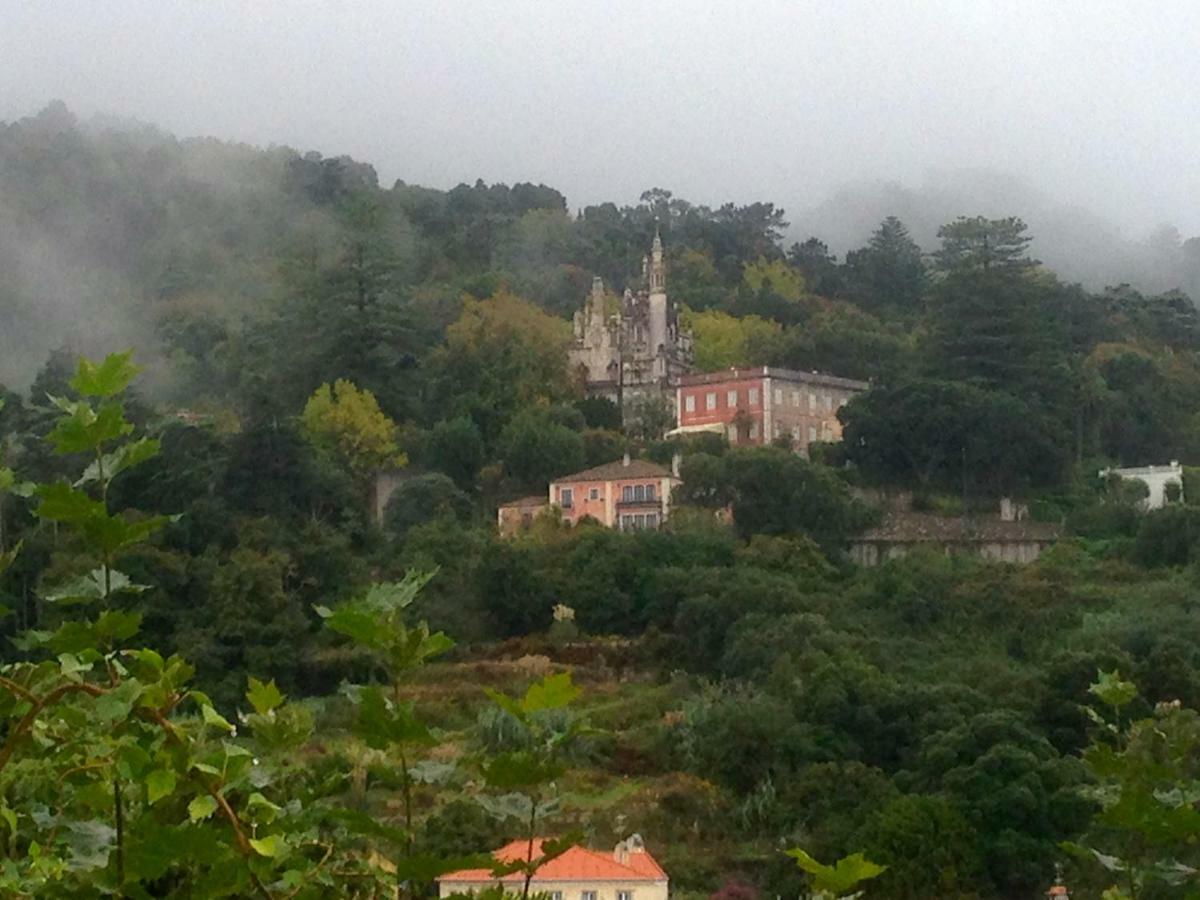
632 350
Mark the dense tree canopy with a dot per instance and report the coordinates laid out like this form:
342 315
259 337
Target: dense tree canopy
303 326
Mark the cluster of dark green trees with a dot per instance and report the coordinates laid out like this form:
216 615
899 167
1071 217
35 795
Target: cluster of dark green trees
929 712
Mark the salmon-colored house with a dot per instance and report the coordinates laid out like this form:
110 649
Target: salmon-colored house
627 494
628 872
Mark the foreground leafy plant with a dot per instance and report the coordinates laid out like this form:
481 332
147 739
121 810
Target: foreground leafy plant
1147 831
839 880
116 776
527 774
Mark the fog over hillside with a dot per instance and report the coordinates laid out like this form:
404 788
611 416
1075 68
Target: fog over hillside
107 224
1077 243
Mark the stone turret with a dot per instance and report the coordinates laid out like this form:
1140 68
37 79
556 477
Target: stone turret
659 336
632 350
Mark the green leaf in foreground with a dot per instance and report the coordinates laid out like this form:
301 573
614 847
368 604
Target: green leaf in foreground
840 878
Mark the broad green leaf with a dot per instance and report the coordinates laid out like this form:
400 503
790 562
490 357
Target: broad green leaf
381 723
92 586
264 697
124 457
1112 690
395 595
508 771
85 430
507 703
116 625
214 718
552 692
62 503
272 845
159 783
151 659
71 665
117 703
106 378
361 625
261 809
201 807
844 875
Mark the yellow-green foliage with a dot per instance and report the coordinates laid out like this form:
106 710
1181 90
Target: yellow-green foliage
723 340
524 348
348 419
776 275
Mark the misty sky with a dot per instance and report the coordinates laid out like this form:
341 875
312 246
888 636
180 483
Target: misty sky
1096 103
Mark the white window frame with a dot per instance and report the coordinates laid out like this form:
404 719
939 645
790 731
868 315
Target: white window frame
812 433
752 396
731 432
779 396
689 405
812 402
754 431
566 497
828 403
710 400
731 397
795 398
594 494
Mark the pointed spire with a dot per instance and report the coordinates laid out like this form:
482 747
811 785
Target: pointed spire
658 270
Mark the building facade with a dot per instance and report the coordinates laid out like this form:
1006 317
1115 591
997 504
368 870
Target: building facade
518 515
632 349
626 494
1163 483
761 405
628 872
994 538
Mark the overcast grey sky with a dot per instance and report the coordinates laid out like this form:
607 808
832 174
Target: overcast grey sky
1097 103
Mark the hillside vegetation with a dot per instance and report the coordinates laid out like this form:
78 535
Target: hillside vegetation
746 689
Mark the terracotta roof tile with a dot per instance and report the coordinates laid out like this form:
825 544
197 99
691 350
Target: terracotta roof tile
576 864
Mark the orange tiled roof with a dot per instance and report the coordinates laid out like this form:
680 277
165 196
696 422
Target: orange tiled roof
577 864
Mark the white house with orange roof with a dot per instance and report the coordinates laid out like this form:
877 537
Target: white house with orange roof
628 872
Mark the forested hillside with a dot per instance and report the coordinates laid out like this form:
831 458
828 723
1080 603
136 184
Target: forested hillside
302 327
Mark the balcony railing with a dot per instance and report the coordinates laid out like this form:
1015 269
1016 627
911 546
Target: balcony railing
646 503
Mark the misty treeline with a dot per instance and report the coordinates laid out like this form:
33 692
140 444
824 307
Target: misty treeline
304 326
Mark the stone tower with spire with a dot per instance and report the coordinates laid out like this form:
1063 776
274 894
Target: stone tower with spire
632 349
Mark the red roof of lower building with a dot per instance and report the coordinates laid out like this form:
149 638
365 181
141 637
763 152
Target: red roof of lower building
576 864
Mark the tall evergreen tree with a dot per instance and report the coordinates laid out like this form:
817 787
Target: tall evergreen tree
889 272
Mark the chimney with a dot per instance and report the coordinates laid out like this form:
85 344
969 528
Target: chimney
625 459
676 462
